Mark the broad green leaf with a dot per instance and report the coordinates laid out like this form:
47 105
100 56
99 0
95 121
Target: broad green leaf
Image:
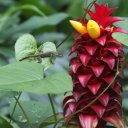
28 77
43 21
50 36
7 2
3 61
13 124
42 5
25 45
7 51
121 37
7 21
33 23
20 72
14 9
123 24
122 8
47 47
7 94
4 123
75 9
35 111
60 3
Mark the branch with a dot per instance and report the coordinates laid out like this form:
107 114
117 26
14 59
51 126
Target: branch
25 115
15 106
42 55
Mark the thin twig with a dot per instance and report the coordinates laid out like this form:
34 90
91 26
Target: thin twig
29 124
89 8
42 55
53 108
45 120
64 40
15 107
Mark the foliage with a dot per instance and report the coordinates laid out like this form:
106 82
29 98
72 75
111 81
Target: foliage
47 21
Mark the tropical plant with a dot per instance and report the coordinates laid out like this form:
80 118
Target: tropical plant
35 39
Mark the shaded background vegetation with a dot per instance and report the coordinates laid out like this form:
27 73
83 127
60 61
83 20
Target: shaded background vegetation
16 19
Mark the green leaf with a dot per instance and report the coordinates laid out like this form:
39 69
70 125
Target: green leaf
75 8
123 24
35 111
43 21
3 61
7 21
27 77
42 5
47 47
26 45
7 93
30 25
7 51
7 2
121 37
50 36
4 123
13 10
60 3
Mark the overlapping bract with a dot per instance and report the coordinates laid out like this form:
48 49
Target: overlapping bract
93 70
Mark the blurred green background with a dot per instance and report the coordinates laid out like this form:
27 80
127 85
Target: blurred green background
18 17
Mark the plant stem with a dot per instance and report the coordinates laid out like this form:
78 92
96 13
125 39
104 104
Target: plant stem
15 106
64 40
47 121
42 55
88 9
53 108
29 124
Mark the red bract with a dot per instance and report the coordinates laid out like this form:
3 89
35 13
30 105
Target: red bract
93 70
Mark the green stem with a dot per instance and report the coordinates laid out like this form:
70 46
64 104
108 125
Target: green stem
64 40
88 9
47 123
53 108
15 106
29 124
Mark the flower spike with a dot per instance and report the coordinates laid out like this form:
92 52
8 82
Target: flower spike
96 87
78 26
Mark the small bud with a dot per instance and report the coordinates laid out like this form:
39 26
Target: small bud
78 27
93 29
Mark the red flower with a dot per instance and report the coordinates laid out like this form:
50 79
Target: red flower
98 56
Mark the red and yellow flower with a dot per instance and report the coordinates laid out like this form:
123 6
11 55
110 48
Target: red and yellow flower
98 56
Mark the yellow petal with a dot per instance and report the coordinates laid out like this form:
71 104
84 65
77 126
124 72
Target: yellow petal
93 29
78 26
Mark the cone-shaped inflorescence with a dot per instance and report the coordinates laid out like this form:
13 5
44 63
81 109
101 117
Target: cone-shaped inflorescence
97 61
